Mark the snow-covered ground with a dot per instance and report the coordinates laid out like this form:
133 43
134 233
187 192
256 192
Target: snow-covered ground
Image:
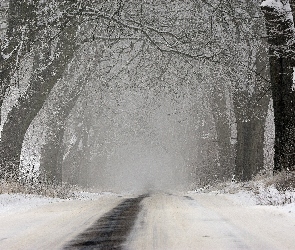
34 222
211 221
20 202
190 220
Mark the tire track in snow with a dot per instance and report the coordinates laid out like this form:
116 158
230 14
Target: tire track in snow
111 230
235 236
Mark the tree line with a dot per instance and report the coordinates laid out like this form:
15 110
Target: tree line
240 53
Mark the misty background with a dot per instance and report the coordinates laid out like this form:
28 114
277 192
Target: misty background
122 95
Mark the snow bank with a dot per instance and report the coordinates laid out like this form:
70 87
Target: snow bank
21 202
288 208
244 198
255 193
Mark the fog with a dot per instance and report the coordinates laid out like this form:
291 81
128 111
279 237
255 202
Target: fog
142 168
136 126
134 144
152 96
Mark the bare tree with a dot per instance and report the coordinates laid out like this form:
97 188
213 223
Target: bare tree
20 36
77 76
47 69
195 36
280 33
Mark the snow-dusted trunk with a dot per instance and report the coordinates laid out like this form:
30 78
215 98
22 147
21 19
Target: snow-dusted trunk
46 73
249 147
280 30
52 152
20 35
223 131
77 160
250 122
51 155
77 77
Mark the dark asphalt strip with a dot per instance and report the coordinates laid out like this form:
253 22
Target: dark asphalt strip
111 230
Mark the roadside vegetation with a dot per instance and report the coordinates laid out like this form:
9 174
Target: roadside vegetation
43 188
265 188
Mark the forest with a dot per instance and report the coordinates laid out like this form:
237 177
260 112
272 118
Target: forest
160 94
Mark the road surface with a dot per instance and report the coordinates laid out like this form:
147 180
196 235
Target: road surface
206 221
157 221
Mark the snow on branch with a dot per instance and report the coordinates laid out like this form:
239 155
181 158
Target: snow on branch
279 6
280 19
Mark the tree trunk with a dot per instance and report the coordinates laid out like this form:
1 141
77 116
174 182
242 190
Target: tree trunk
280 33
51 152
20 30
249 148
46 73
251 111
77 78
250 122
79 159
284 112
77 169
51 156
223 131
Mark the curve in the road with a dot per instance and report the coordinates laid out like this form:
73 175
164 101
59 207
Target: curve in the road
111 230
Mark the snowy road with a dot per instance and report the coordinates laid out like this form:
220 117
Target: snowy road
208 221
50 226
162 221
111 230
